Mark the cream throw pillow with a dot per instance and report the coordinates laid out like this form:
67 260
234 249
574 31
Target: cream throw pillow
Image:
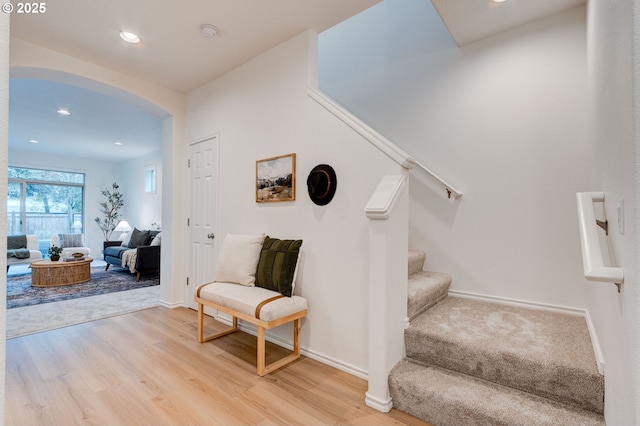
238 259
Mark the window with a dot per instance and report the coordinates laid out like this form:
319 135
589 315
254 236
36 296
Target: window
45 202
150 178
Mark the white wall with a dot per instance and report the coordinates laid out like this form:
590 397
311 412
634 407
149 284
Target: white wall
99 175
261 109
503 119
141 209
613 44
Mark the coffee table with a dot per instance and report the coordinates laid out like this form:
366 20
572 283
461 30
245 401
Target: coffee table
46 273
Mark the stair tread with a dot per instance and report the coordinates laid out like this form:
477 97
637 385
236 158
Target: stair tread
425 290
536 351
443 397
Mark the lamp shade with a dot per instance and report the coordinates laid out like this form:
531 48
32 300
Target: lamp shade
123 226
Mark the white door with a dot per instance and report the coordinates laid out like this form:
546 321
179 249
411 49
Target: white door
203 190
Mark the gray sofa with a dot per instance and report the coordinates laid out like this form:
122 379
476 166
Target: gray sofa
147 252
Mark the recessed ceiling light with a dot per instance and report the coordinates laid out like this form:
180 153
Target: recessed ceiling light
117 143
34 141
63 111
129 37
499 1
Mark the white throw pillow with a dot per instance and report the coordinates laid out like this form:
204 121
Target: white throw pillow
238 259
126 239
156 240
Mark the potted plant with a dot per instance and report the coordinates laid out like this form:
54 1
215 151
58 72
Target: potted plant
110 209
55 251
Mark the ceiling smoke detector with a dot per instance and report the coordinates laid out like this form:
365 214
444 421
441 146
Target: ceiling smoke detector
209 31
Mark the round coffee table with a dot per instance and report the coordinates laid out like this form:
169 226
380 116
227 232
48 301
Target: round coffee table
45 273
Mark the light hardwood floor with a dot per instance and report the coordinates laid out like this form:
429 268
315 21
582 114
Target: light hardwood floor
146 368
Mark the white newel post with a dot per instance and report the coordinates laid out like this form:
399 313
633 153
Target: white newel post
388 213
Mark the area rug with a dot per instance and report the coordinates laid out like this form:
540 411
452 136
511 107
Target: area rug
20 293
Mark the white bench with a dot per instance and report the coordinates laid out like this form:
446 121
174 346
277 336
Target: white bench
247 304
243 262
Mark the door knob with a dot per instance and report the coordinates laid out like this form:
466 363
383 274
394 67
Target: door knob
211 236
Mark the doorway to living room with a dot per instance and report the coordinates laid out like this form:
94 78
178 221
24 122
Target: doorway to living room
29 316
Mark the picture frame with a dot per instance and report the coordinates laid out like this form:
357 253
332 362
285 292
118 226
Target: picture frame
276 179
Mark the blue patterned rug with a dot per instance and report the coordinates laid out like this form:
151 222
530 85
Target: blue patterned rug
20 293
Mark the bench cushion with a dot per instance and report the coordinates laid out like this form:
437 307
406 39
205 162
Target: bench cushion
245 300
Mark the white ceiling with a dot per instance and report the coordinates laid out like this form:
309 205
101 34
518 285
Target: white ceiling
473 20
96 123
173 54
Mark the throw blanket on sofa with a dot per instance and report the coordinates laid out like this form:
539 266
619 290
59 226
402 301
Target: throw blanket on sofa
17 246
129 258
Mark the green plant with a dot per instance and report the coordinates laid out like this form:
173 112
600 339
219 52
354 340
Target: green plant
55 251
110 209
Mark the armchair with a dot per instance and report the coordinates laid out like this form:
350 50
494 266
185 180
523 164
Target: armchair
140 254
70 243
29 246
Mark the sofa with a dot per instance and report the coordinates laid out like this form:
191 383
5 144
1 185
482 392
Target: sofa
22 249
139 252
70 244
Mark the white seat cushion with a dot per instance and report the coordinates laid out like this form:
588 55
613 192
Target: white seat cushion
245 300
33 256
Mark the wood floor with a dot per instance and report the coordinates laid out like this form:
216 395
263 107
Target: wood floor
146 368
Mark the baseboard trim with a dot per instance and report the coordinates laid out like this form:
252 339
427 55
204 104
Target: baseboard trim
171 305
316 356
596 343
381 405
544 307
516 302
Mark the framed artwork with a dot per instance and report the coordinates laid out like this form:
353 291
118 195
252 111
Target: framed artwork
276 179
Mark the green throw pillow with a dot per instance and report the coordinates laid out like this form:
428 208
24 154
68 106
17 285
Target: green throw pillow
277 265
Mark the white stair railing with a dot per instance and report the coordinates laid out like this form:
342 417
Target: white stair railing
592 259
377 140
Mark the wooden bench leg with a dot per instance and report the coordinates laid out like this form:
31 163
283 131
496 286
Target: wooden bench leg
201 336
261 361
262 368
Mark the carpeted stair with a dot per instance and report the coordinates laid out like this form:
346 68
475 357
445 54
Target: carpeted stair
425 288
472 362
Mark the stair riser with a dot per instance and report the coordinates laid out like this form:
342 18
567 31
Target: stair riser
425 290
415 309
437 411
416 261
580 390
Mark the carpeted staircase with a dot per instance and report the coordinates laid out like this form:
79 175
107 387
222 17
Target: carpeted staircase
473 362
